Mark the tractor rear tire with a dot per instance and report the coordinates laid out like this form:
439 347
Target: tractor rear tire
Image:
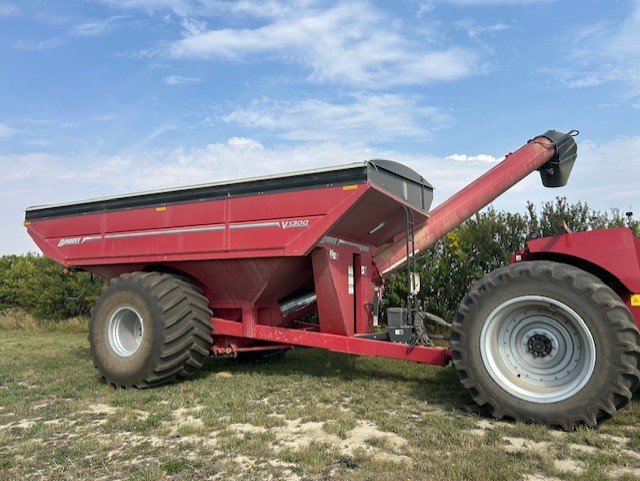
546 342
149 328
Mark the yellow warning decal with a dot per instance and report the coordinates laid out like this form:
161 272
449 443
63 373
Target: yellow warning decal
635 299
160 209
350 187
26 222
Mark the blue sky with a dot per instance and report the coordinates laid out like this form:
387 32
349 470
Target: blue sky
102 97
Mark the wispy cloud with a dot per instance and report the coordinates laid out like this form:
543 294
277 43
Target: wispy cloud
195 8
8 9
622 171
483 3
179 7
100 27
425 8
153 135
22 167
361 118
358 45
351 43
178 80
605 52
475 30
38 45
6 132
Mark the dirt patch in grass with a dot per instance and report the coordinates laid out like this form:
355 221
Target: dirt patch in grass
312 416
296 434
560 456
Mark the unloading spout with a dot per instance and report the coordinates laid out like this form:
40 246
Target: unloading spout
552 153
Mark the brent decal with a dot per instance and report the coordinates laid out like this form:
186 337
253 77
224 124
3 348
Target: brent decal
70 241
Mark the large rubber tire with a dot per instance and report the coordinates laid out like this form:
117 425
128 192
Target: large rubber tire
149 328
546 342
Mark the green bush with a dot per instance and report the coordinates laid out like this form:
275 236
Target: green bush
39 286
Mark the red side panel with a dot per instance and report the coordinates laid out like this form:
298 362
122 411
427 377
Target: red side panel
363 293
334 282
616 251
288 223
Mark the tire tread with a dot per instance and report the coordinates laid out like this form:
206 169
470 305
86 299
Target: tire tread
617 319
184 323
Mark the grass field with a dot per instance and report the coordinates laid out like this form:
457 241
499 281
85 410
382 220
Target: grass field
312 415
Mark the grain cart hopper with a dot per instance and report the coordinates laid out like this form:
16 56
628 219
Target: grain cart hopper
263 264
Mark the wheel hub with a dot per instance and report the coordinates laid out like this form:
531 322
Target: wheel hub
537 348
125 331
539 345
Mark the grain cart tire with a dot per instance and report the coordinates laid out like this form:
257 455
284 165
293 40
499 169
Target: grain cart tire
149 328
546 342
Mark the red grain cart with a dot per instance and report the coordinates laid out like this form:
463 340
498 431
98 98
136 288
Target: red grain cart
259 265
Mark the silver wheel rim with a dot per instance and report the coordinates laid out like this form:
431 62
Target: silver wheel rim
537 349
125 331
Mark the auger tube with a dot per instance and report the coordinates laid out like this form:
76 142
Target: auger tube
553 153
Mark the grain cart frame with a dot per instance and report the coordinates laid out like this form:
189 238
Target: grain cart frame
237 268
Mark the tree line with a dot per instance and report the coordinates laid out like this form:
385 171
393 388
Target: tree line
44 289
486 241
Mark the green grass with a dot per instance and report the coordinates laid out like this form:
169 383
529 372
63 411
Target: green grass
17 319
312 416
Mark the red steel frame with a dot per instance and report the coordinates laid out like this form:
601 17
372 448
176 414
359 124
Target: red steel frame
332 342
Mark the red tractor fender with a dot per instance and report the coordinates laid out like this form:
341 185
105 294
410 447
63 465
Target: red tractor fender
613 255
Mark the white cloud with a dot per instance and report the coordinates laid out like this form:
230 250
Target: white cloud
38 46
39 142
178 80
22 167
609 170
363 118
482 3
8 10
425 7
351 43
198 8
474 31
179 7
474 158
93 29
605 52
624 44
603 74
604 175
6 132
